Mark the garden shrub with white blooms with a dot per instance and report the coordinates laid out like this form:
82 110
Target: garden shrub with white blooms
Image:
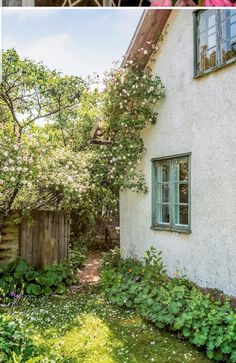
47 160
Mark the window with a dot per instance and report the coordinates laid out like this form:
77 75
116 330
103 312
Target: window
215 39
171 194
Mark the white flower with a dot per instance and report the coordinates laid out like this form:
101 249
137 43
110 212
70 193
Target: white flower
29 185
15 147
145 52
1 182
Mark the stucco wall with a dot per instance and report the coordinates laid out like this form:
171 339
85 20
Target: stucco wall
197 116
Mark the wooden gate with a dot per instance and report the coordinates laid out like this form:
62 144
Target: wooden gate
44 238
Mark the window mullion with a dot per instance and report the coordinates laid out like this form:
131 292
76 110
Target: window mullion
172 195
218 38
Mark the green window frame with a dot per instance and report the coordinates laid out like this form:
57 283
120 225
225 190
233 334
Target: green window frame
171 207
214 39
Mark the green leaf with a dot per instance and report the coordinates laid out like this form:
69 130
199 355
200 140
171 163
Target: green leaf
34 289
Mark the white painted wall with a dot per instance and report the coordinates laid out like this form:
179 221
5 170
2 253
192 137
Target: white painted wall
197 116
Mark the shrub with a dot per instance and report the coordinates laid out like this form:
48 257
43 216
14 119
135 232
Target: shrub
18 278
15 346
175 304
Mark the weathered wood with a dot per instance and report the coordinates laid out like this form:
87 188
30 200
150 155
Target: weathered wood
9 242
44 240
148 32
18 3
41 238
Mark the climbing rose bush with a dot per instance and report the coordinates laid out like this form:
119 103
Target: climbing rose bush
128 105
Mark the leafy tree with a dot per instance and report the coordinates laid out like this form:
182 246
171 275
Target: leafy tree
47 157
30 93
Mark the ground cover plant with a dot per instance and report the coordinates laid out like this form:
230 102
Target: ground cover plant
18 279
15 346
77 256
86 328
173 304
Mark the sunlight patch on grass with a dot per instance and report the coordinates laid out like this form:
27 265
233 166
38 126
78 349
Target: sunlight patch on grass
86 328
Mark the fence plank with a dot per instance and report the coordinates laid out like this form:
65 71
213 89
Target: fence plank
9 241
44 241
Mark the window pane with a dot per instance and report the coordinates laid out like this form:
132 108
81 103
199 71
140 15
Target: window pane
165 172
211 40
210 60
181 170
206 52
181 193
181 214
162 193
165 193
228 26
163 214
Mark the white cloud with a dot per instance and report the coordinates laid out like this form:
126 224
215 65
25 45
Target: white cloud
74 47
56 51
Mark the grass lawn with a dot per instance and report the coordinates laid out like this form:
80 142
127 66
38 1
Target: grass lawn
85 328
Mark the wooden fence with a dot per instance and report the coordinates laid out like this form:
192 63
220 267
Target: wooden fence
41 239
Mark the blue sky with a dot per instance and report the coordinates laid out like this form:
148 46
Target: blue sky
74 41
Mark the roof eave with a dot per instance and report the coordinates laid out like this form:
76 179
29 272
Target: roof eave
146 35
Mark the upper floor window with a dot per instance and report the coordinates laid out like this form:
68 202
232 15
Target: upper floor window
171 194
215 39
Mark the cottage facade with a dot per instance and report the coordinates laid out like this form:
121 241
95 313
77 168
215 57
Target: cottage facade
189 212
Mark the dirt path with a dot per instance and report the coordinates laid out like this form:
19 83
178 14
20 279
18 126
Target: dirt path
89 274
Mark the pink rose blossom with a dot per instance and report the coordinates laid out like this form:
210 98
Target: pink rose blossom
161 3
218 3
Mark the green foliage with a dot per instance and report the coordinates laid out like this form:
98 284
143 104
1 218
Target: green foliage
18 278
15 346
77 256
86 328
175 304
54 164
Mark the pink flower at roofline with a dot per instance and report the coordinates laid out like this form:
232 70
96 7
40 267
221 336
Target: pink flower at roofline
207 3
218 3
161 3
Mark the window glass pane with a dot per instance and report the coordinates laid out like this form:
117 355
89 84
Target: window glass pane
165 193
165 172
163 214
181 214
210 19
206 52
162 193
181 193
181 170
228 28
211 40
210 60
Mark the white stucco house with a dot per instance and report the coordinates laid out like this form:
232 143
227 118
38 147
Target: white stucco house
189 212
